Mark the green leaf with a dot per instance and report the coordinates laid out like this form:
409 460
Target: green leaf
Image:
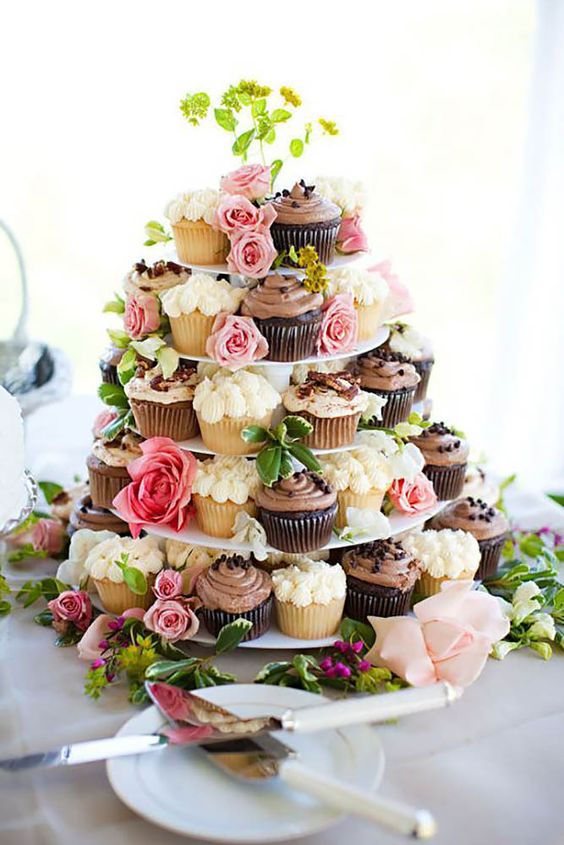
286 465
168 359
297 427
148 348
270 136
275 169
44 618
296 147
255 434
127 366
50 490
164 668
114 307
226 119
231 635
280 115
119 338
135 580
113 395
352 629
243 142
268 464
270 669
305 456
258 107
244 98
5 608
293 255
279 432
115 427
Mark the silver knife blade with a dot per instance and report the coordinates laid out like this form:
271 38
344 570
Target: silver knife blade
86 752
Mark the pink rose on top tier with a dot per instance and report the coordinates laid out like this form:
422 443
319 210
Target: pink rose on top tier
235 341
251 181
414 496
142 315
448 640
173 619
351 236
399 299
235 213
161 487
71 607
92 644
103 419
168 584
252 253
339 328
49 536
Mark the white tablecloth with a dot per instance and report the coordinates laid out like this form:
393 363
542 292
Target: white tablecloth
491 768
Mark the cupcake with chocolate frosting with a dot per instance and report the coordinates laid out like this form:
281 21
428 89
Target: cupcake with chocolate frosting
233 588
407 341
487 524
393 377
162 407
304 218
107 467
446 457
86 515
380 579
154 278
287 315
298 512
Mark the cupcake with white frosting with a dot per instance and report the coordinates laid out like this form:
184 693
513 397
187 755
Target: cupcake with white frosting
279 560
407 341
445 555
193 306
102 567
191 215
361 478
154 278
309 598
224 486
164 406
107 467
369 291
190 560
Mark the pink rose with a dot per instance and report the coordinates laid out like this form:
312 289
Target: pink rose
48 535
160 491
448 640
173 619
252 253
399 299
235 341
168 584
71 606
142 315
339 328
412 496
236 213
89 646
103 419
251 181
351 237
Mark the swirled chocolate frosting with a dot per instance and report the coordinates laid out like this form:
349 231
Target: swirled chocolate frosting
302 491
233 584
302 206
382 562
441 446
280 296
385 370
472 515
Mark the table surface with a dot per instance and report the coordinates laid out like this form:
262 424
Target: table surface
489 768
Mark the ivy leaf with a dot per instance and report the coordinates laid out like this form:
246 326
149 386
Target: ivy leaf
115 427
226 119
268 464
275 169
297 427
243 142
277 667
255 434
280 432
168 359
352 629
44 618
127 366
296 147
286 465
305 456
280 115
50 490
164 668
231 635
119 338
113 395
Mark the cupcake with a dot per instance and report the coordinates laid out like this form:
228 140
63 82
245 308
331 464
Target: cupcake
191 215
409 342
226 403
332 403
107 467
446 456
86 515
480 486
190 560
192 308
279 560
154 278
361 478
108 364
62 506
304 218
369 292
444 555
287 315
487 524
232 588
298 512
143 554
163 406
391 376
223 486
300 372
380 579
309 598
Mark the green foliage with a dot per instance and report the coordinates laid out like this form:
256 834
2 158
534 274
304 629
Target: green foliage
226 119
155 233
127 366
115 305
46 588
281 444
296 147
119 338
133 577
352 630
113 395
231 635
195 107
50 490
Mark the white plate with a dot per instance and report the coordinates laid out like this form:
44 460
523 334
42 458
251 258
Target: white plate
178 789
196 444
273 639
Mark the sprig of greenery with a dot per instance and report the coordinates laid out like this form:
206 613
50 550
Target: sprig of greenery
133 577
403 431
45 588
5 593
274 460
156 233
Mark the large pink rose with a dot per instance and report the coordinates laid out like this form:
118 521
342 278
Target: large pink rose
235 213
399 299
103 419
448 640
89 646
142 315
173 619
339 328
48 535
235 341
252 252
412 496
251 181
168 584
351 237
71 606
160 491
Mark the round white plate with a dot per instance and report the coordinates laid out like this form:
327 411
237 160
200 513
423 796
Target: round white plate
180 790
196 444
274 639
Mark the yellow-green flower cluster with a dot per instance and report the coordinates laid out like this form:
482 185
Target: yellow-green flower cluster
329 126
290 96
316 279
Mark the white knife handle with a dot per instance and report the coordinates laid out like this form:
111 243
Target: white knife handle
350 799
371 708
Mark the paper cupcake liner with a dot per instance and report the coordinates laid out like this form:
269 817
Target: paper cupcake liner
109 373
330 432
304 532
175 420
197 243
104 488
347 499
424 371
490 554
290 341
397 408
321 236
217 518
260 616
224 437
118 597
311 622
447 481
369 320
190 332
375 600
429 586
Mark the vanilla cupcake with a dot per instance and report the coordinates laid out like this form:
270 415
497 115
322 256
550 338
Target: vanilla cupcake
162 407
223 486
226 403
361 478
369 291
190 560
445 555
154 278
300 372
191 215
193 307
279 560
143 554
107 467
309 598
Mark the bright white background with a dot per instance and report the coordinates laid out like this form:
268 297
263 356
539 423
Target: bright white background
449 112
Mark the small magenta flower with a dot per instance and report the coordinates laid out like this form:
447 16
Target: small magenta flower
325 664
342 671
116 624
357 646
363 666
103 645
339 645
110 677
98 663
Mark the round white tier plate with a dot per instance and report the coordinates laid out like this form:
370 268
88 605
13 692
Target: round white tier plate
196 444
274 639
179 790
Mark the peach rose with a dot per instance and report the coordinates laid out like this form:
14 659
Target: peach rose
235 213
351 237
235 341
252 252
251 181
412 496
142 315
339 328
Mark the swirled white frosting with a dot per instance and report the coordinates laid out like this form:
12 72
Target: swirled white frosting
408 342
203 293
404 463
226 478
309 582
300 371
184 555
238 394
177 391
360 470
120 455
367 288
326 404
193 205
143 553
348 195
444 553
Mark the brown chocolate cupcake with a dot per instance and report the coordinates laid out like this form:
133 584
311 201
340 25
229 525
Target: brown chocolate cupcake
487 524
393 377
298 512
108 364
287 315
380 579
446 457
407 341
233 588
107 467
332 403
86 515
163 407
304 218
